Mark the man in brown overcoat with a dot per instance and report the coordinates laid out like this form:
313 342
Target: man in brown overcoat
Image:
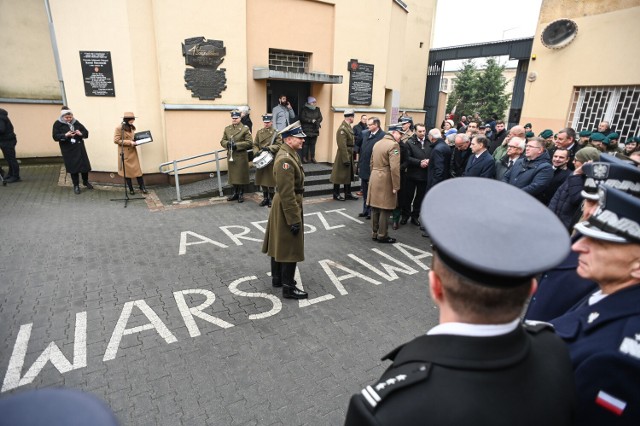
342 172
284 236
384 183
236 139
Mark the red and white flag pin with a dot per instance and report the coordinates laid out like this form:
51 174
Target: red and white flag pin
610 402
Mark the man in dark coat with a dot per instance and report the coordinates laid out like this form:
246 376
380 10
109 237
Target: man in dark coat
369 138
465 371
602 332
498 136
561 172
439 159
533 173
284 236
8 143
357 133
567 139
481 163
460 155
418 151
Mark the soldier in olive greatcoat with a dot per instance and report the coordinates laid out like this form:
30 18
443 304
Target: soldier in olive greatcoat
236 139
267 139
284 236
343 167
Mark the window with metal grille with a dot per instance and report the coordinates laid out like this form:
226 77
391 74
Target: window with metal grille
619 105
444 85
288 61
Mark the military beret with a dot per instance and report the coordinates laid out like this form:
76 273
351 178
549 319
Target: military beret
546 134
492 253
406 120
529 135
617 218
584 133
610 171
294 130
636 139
613 135
349 112
597 137
235 114
395 126
267 118
527 125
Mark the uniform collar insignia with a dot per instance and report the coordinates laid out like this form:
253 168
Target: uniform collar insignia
592 317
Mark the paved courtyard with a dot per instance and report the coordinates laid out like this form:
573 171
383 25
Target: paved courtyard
167 312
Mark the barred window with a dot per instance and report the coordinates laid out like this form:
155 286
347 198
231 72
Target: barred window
444 86
619 105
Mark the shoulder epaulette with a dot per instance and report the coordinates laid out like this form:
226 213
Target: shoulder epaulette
402 377
537 326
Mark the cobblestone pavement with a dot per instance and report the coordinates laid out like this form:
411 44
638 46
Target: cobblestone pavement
168 313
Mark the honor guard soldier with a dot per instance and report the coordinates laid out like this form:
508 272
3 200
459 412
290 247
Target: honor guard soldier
284 236
480 365
236 139
603 331
343 168
267 139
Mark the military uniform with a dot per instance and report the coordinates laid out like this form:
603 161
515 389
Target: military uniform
265 140
239 167
342 172
384 179
461 380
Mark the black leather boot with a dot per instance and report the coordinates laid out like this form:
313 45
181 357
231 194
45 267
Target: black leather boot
76 189
241 194
265 199
336 193
270 200
234 196
289 289
276 273
347 193
144 189
87 185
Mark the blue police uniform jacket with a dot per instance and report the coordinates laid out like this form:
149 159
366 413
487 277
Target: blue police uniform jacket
604 345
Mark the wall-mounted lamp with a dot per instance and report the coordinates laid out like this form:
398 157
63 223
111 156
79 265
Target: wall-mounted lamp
533 57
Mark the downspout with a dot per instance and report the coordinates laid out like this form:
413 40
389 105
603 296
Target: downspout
56 55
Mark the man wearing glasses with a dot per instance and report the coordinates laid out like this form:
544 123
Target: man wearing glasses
515 149
534 172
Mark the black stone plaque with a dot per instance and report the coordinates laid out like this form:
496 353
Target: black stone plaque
360 83
205 80
97 73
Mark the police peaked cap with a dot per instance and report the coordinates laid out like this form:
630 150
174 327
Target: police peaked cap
613 172
496 253
294 130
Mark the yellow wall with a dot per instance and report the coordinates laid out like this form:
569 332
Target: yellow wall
145 40
600 55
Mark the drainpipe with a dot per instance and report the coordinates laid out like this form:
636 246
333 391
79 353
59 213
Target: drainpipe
56 55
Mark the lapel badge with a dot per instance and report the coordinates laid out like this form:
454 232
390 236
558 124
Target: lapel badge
592 317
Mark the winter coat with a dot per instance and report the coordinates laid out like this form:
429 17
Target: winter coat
559 177
496 141
385 174
357 133
368 142
124 137
416 153
286 210
439 163
567 200
459 161
309 127
239 167
7 136
533 177
342 172
282 116
483 166
72 149
263 139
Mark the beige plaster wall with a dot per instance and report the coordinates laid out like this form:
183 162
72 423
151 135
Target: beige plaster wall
32 124
27 65
547 100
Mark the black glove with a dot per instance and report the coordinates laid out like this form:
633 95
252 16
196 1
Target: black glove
265 149
347 163
295 228
233 146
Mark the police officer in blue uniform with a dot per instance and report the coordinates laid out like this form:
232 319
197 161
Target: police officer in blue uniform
561 287
603 331
480 365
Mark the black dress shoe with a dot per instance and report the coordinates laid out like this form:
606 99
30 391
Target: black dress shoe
132 192
241 198
424 234
368 217
143 189
374 238
403 221
76 189
233 197
87 185
12 179
415 221
387 240
349 196
264 202
338 197
362 214
292 292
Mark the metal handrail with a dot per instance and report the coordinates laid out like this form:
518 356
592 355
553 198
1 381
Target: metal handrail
175 169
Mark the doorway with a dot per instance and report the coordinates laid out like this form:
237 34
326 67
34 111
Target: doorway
296 91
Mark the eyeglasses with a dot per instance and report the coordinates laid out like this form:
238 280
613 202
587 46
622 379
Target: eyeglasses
513 146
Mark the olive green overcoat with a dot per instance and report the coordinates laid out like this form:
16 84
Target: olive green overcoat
341 174
239 167
286 210
264 136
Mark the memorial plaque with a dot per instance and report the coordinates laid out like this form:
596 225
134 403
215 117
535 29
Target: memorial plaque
205 80
97 73
360 83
